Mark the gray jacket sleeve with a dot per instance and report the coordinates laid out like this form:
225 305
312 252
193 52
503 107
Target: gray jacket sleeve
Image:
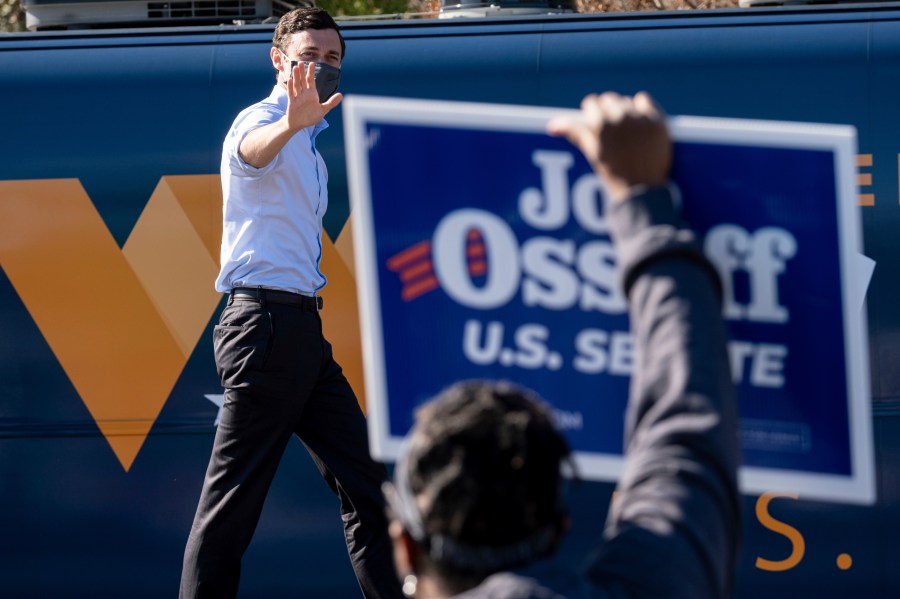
674 523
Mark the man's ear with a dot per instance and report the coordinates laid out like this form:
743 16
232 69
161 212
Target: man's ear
413 551
407 554
277 58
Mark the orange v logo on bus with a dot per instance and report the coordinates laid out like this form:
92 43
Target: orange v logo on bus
121 322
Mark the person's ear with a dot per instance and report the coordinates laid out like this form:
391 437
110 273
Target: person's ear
277 58
407 555
413 551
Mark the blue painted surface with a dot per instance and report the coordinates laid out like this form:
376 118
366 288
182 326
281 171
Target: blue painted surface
118 110
426 339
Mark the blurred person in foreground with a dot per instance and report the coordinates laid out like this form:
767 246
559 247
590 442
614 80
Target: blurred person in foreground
476 501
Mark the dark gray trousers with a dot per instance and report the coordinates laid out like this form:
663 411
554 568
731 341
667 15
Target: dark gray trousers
280 380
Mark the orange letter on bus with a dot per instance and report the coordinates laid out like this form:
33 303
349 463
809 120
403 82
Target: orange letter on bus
793 535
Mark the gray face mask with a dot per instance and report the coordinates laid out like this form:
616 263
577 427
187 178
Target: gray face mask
327 79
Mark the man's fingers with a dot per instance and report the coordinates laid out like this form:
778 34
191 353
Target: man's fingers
590 111
333 101
295 84
575 130
612 107
310 75
610 129
644 104
562 126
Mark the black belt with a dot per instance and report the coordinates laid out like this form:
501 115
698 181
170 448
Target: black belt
258 294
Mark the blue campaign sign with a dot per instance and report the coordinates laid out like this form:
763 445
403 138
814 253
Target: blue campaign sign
482 252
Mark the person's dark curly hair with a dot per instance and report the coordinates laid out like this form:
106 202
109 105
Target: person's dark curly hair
301 19
483 464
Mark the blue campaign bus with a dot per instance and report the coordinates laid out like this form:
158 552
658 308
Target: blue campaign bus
110 212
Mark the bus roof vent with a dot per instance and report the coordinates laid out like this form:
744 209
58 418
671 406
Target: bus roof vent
463 8
98 14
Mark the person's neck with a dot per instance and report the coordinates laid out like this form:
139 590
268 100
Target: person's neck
431 586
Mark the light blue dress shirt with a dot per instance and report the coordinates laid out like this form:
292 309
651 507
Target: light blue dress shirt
272 216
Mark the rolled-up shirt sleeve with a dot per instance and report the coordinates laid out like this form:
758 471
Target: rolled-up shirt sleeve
243 125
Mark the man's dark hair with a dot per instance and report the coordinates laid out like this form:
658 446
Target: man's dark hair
484 466
301 19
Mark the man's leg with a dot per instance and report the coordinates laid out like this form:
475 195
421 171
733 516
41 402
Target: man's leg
273 350
248 447
333 429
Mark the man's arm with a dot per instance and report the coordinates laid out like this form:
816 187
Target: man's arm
673 529
261 146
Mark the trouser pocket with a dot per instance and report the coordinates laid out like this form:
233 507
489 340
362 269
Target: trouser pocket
241 343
